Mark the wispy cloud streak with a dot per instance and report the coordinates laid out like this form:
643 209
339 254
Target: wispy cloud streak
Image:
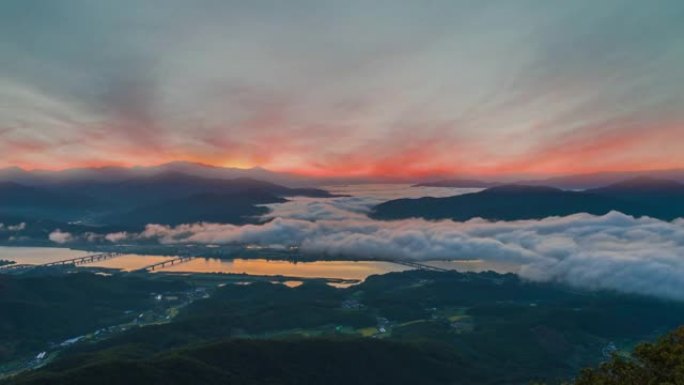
316 87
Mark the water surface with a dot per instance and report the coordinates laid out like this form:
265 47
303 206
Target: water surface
129 262
39 255
337 270
346 270
384 192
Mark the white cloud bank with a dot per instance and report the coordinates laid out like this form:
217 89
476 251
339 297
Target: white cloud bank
614 251
61 237
13 228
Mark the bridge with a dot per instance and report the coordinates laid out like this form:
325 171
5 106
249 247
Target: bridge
417 265
81 260
20 267
168 262
15 267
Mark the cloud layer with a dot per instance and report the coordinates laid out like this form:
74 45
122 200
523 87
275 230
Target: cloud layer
397 87
13 227
614 251
60 237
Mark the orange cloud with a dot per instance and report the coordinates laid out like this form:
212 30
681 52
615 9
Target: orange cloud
614 146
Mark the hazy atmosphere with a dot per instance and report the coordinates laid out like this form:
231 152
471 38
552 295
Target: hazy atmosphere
341 192
344 88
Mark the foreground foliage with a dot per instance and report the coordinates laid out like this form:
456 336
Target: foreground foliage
246 362
661 362
36 312
415 327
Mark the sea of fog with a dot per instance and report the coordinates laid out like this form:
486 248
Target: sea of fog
613 251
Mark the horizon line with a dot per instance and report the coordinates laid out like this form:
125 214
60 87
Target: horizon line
427 174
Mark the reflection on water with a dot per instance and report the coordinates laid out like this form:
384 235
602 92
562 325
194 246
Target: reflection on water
38 255
475 266
129 262
351 271
348 270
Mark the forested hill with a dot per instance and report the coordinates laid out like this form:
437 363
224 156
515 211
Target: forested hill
653 198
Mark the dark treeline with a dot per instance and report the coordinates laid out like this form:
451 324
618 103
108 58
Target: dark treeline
439 328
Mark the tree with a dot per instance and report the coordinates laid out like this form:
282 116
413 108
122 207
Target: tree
659 363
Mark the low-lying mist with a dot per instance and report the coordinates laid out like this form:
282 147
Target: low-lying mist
614 251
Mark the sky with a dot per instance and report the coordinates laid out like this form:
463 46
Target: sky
323 88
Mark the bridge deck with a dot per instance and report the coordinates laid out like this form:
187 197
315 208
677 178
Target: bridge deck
66 262
418 265
169 262
82 260
16 266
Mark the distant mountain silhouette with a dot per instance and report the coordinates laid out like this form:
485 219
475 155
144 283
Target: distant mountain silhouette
16 195
596 180
168 198
48 178
235 208
117 174
642 186
659 195
174 185
460 183
16 199
639 197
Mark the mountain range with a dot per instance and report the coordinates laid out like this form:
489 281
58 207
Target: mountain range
165 198
656 198
458 183
86 201
568 182
119 174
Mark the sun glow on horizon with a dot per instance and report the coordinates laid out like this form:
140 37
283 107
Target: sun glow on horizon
409 92
405 171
